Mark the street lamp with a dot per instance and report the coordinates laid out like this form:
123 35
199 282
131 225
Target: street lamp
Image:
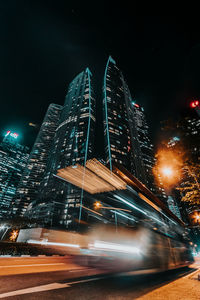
97 205
167 171
197 218
168 167
14 235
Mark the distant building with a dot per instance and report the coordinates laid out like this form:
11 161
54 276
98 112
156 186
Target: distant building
189 128
13 159
173 206
187 139
27 190
146 148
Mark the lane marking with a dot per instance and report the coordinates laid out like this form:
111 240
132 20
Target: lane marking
86 280
41 288
34 265
46 287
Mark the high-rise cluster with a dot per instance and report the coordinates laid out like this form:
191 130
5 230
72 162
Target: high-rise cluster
67 137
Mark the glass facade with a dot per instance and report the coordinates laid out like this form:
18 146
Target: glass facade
116 124
73 143
125 132
125 129
32 176
13 159
146 147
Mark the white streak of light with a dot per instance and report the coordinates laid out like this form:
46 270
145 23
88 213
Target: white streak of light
53 244
116 212
135 207
130 204
115 247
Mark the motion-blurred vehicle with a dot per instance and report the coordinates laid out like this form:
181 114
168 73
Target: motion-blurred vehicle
130 229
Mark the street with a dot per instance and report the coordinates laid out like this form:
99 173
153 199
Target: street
59 278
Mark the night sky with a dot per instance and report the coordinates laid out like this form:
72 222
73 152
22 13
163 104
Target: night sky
44 44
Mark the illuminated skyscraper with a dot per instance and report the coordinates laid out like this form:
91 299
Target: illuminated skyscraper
73 143
126 143
13 159
146 147
32 176
125 128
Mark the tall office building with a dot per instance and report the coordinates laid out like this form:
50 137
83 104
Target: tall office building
73 143
146 148
32 176
126 143
125 128
13 159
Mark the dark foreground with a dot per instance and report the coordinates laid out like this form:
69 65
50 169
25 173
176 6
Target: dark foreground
58 278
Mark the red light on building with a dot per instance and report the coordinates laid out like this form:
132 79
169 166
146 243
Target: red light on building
194 104
135 104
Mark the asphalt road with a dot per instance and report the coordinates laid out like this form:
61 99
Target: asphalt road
58 278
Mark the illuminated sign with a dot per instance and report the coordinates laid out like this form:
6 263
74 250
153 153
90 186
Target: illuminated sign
12 134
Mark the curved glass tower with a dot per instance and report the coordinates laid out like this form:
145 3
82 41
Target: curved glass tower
73 143
121 140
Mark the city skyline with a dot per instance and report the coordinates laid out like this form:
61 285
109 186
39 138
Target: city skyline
99 152
159 67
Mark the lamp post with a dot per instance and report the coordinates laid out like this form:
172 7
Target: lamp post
167 171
